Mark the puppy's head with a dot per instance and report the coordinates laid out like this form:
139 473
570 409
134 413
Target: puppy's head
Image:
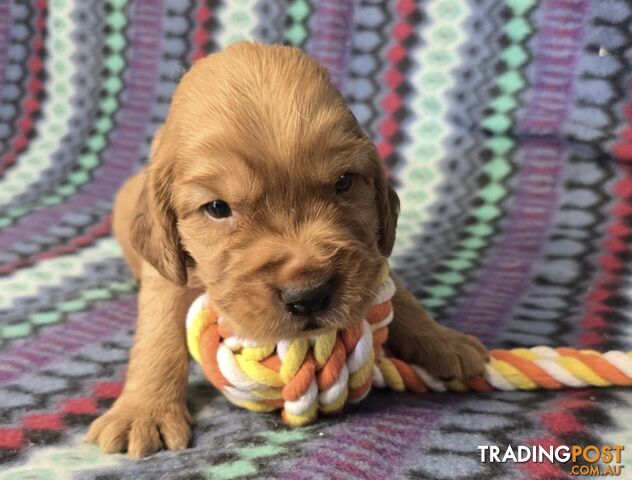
263 188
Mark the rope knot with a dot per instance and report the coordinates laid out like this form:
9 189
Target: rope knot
301 375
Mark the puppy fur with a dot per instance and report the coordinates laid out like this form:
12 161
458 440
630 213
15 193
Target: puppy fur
263 129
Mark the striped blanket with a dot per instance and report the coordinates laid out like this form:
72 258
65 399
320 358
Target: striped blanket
506 127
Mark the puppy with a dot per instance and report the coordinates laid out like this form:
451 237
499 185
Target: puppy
262 190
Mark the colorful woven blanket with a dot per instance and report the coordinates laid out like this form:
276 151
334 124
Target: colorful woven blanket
506 128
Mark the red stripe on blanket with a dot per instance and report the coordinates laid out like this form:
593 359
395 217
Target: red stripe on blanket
561 422
545 469
108 390
43 421
31 103
79 406
201 34
616 248
13 437
389 126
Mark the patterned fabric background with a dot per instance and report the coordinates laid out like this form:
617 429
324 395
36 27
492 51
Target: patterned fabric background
506 127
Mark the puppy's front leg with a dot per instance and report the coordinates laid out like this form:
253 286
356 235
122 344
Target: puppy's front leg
416 338
152 407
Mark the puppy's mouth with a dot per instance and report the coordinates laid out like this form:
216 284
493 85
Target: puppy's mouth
312 326
312 323
336 316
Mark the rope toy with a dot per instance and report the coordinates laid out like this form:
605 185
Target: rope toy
306 375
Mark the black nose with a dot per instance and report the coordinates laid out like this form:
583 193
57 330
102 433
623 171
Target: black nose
307 301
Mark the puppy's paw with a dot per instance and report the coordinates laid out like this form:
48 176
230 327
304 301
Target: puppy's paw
141 429
446 354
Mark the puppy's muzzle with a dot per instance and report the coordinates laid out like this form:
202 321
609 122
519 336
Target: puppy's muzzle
307 301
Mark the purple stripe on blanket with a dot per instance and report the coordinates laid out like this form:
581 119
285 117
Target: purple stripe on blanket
559 44
62 340
331 40
120 157
393 435
501 282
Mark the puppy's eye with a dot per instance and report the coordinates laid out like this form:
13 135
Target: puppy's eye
218 209
344 183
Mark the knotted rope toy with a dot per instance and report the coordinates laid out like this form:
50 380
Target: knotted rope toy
321 373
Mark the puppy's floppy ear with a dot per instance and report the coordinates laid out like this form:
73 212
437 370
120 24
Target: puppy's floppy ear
387 208
154 229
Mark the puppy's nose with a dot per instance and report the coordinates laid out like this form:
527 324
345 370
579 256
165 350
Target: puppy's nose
307 301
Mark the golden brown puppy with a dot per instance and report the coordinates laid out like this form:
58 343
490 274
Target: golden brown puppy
263 190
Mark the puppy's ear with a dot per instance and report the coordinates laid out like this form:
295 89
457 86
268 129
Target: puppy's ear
387 207
154 229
